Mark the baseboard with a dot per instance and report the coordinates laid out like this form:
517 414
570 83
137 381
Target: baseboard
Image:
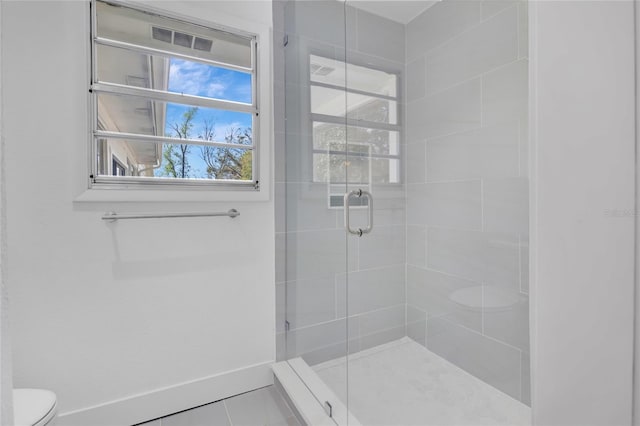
172 399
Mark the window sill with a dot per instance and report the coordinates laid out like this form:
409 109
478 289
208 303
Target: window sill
98 195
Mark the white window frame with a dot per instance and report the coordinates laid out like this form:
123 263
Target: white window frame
183 190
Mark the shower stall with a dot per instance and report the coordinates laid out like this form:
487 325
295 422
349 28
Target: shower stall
402 190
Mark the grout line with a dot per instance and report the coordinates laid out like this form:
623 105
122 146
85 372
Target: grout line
482 309
518 30
304 231
226 410
521 377
442 318
520 142
481 100
439 139
378 268
520 262
479 76
482 203
335 298
360 314
468 29
426 247
448 274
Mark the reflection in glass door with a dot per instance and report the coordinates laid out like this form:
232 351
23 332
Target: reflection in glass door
406 229
317 255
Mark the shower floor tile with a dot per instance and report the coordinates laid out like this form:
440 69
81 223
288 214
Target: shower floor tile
402 383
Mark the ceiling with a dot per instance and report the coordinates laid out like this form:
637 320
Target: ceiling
400 11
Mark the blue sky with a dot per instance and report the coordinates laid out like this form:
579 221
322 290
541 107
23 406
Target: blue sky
192 78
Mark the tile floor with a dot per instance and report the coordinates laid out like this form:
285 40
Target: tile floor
403 383
262 407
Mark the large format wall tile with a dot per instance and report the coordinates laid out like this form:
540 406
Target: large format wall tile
310 301
379 36
487 359
440 296
313 254
442 22
307 207
416 79
492 43
384 246
505 93
456 252
492 7
485 257
526 378
524 264
417 324
489 152
445 204
324 341
523 29
453 204
456 109
369 290
416 245
506 205
508 323
382 326
467 187
415 162
323 21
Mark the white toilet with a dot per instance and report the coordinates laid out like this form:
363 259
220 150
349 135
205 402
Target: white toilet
34 407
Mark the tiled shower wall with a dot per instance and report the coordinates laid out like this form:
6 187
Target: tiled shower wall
312 246
462 282
467 188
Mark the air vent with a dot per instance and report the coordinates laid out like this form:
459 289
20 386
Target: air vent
181 39
202 44
316 69
162 34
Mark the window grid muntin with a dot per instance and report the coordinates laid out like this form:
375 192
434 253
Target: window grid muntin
349 122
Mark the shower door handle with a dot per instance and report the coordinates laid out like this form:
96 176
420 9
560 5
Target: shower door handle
347 197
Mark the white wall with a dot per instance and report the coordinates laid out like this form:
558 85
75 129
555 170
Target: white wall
582 210
104 312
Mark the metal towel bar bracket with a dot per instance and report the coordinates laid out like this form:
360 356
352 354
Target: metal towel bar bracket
113 216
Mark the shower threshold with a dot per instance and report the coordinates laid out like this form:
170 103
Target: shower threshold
403 383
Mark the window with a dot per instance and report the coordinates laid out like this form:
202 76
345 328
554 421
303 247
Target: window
364 149
174 101
117 168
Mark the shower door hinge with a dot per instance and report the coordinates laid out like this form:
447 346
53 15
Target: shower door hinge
328 409
287 326
285 40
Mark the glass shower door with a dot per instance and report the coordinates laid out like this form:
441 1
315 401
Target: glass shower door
406 226
318 255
